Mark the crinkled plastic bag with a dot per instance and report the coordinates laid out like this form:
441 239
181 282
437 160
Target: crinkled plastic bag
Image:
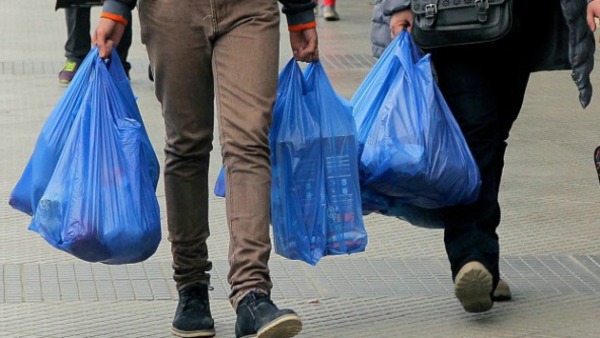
346 232
100 203
34 179
297 187
414 152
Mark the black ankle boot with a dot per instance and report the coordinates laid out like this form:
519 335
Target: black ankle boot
258 317
192 317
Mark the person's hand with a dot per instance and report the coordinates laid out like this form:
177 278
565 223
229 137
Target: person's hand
107 35
304 45
593 12
400 21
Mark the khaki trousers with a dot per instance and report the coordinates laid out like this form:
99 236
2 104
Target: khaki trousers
228 50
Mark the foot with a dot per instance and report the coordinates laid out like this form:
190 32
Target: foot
193 317
330 14
473 287
65 76
258 317
502 292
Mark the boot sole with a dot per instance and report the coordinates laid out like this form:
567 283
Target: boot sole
286 326
192 334
502 292
473 287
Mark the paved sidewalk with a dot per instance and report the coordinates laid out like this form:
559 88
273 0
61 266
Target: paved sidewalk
400 287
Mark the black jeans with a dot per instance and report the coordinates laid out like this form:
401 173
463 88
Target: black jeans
484 86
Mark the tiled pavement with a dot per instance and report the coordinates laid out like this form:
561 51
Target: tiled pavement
400 287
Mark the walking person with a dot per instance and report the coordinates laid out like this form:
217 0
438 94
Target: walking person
229 50
79 41
484 85
329 12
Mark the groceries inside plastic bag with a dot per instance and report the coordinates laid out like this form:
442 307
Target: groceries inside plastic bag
100 203
51 141
414 160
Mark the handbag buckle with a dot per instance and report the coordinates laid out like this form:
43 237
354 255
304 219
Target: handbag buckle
482 7
430 14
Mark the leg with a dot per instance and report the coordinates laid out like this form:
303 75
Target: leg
179 44
245 62
78 33
329 12
125 44
78 41
246 59
485 90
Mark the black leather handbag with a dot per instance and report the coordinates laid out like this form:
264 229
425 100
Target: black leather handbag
440 23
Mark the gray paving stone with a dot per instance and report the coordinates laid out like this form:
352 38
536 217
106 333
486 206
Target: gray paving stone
399 287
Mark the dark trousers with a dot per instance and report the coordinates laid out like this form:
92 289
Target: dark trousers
79 40
484 86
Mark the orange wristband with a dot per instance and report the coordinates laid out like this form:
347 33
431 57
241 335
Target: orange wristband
301 27
114 17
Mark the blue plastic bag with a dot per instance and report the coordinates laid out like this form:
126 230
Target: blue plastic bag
99 203
220 185
297 186
346 232
34 179
368 98
414 152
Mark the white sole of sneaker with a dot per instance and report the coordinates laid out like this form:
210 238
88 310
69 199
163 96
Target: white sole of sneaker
283 327
193 334
473 287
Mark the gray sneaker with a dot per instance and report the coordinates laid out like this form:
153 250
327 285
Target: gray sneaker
473 287
502 292
330 14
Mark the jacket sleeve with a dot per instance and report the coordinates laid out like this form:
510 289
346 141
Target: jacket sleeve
118 9
299 13
380 23
581 48
389 7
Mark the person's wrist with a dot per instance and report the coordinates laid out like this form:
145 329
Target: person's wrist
114 17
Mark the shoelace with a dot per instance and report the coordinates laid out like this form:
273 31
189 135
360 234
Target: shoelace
196 294
70 66
254 298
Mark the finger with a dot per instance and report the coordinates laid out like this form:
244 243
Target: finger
102 43
303 54
104 48
108 47
591 20
395 30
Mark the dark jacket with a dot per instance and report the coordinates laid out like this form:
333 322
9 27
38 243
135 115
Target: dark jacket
298 12
572 46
